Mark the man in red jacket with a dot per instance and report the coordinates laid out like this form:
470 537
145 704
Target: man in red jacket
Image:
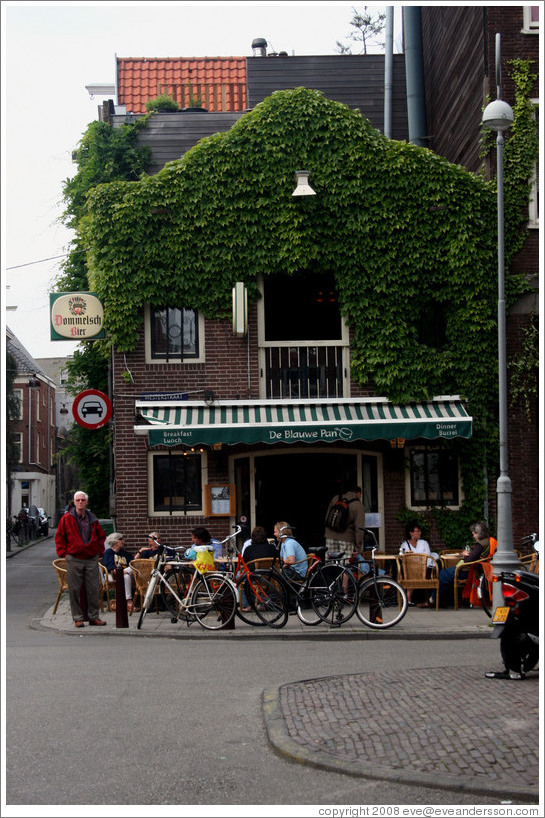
80 540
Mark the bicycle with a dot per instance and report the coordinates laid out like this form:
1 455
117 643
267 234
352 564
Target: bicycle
257 589
327 593
260 592
382 601
210 599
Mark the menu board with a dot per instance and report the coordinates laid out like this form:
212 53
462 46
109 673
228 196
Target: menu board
219 500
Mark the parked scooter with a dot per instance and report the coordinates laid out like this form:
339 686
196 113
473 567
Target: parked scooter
517 623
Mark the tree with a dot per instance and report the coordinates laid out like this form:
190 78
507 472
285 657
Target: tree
367 29
104 154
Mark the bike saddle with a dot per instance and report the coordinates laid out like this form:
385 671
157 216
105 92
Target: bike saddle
335 555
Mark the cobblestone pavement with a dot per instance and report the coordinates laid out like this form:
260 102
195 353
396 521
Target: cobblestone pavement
411 728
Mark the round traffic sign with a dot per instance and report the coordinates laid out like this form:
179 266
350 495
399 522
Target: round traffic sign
92 409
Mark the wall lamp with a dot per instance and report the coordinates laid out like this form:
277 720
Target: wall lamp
303 188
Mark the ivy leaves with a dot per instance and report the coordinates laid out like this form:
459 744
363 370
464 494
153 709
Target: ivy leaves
393 221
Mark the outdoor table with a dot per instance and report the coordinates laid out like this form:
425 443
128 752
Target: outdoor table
450 559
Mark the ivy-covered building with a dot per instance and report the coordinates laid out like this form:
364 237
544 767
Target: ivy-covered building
366 353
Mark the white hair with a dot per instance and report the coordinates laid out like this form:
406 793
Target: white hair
81 492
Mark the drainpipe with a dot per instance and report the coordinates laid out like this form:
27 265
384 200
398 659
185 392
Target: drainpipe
388 71
414 70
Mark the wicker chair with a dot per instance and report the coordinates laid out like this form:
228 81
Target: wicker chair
412 573
531 562
460 581
106 588
142 574
60 569
261 563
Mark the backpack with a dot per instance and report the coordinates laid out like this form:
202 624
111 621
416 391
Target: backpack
337 516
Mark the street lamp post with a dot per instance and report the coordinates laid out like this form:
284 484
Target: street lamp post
498 116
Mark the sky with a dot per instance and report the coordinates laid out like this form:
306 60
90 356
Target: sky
50 52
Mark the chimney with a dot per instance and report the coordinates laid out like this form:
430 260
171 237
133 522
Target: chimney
259 47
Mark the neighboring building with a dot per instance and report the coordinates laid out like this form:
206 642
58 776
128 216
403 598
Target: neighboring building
263 427
55 368
459 53
33 478
67 475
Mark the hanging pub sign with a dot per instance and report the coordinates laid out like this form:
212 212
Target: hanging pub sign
76 317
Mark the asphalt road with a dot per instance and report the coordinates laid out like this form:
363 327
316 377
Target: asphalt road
114 725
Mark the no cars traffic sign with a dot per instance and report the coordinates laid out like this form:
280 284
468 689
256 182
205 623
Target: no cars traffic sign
92 409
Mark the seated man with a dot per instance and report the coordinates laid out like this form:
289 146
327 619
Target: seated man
292 553
154 541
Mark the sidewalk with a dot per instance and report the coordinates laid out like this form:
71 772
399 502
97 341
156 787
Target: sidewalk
418 623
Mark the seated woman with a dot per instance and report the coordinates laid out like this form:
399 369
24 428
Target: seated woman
480 550
115 556
414 544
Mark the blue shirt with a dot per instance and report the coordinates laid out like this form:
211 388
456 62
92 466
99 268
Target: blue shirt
291 548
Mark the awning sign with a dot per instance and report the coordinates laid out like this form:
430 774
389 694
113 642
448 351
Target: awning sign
76 317
192 424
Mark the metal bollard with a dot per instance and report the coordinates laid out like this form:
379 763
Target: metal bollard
121 616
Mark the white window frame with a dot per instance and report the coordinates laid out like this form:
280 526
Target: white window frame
407 456
343 342
529 26
198 512
200 359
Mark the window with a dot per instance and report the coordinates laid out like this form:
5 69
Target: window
434 477
530 17
174 333
176 482
18 443
533 207
19 398
303 339
302 308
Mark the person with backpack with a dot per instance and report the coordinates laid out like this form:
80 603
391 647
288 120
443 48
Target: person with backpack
345 521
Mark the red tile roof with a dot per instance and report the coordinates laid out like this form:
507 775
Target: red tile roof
219 81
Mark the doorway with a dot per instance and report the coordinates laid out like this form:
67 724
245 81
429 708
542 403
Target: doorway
298 487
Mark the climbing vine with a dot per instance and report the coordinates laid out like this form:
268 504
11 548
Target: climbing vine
405 232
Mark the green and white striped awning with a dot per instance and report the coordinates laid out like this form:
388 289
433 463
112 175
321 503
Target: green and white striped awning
191 423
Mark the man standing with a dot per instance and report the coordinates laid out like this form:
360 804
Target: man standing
350 539
80 540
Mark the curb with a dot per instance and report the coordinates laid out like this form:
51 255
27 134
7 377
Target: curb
163 629
30 544
284 745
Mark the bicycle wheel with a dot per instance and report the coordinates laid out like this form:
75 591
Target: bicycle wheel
484 592
268 598
382 603
245 611
213 601
147 600
334 594
177 581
